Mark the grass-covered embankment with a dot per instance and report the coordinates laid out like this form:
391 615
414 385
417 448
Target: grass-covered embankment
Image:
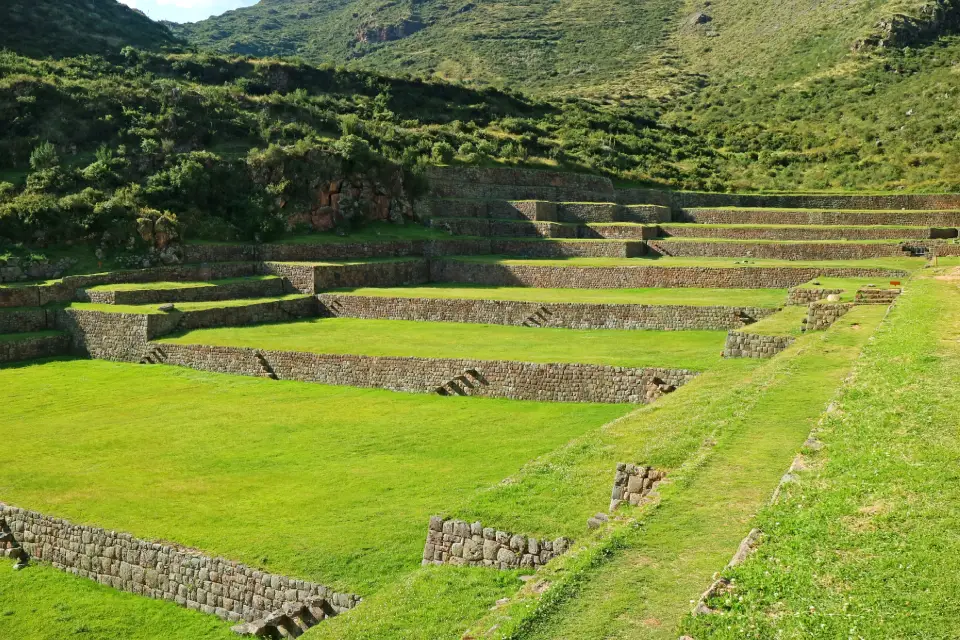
697 350
866 544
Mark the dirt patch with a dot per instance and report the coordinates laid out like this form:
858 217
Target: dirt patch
950 276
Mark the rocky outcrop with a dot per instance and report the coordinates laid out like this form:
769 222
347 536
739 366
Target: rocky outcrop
933 19
371 32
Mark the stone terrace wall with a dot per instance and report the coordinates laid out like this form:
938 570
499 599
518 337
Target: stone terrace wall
820 217
748 345
802 233
618 232
332 251
461 543
30 348
774 250
567 249
516 313
231 291
822 315
799 296
372 274
260 313
512 275
691 199
556 382
517 184
503 228
942 250
25 319
227 589
297 277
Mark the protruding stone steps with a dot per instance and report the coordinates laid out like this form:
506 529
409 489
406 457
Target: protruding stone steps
155 355
265 367
538 318
834 217
292 621
463 384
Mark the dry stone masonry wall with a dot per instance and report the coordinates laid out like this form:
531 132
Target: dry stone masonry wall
804 233
32 347
25 320
877 296
632 483
461 543
748 345
779 251
265 288
548 382
822 315
802 296
534 314
512 275
823 217
227 589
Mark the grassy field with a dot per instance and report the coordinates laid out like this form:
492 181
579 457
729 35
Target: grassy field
138 286
866 545
652 296
333 484
181 306
906 264
42 603
698 350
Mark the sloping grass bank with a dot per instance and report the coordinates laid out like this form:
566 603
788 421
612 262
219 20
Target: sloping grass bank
866 544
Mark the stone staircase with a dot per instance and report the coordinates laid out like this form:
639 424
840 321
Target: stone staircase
10 548
877 296
156 355
292 621
538 318
463 384
266 370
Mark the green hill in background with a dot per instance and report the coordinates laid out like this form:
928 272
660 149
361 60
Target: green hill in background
42 28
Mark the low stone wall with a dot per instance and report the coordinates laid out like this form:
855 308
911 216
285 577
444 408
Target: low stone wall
618 231
821 315
778 251
339 251
804 233
456 247
260 313
517 184
492 227
748 345
461 543
693 199
27 296
251 289
111 336
25 320
371 274
31 348
535 314
942 250
512 275
821 217
567 249
554 382
632 483
876 296
799 296
224 588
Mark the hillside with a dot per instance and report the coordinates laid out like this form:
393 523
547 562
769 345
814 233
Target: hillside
42 28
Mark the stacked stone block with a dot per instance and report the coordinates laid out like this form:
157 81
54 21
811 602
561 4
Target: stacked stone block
803 296
877 296
632 483
460 543
750 345
227 589
821 315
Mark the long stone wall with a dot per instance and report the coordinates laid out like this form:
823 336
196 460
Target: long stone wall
942 250
776 250
555 382
534 314
227 589
618 231
32 347
692 199
567 248
259 313
821 217
492 227
372 274
804 296
461 543
517 184
750 345
265 288
513 275
804 233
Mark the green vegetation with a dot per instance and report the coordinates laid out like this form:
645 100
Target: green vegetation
653 296
905 264
333 484
152 286
42 603
725 440
697 350
853 549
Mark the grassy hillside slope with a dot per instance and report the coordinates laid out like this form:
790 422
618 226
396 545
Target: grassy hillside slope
57 28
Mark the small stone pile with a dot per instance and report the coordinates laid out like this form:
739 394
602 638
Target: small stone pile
632 483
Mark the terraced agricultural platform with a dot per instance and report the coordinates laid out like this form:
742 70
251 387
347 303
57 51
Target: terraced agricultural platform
376 431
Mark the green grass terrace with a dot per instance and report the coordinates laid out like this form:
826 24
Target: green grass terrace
696 350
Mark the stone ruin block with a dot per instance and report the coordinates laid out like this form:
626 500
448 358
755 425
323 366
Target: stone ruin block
461 543
632 483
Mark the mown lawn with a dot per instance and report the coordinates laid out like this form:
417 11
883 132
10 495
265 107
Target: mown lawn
651 296
698 350
905 264
43 603
332 484
866 544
